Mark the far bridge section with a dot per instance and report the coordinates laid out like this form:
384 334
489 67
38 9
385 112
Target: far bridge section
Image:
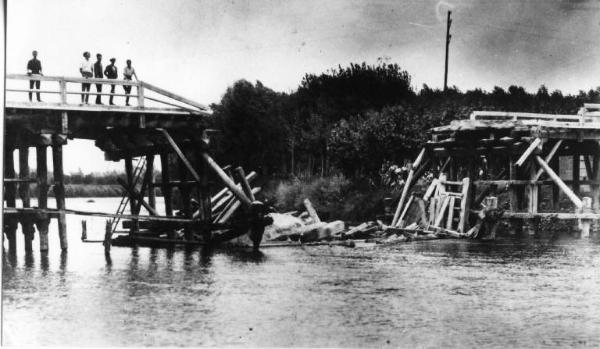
511 157
157 123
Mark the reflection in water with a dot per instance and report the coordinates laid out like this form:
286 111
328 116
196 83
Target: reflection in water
247 256
29 260
64 258
44 262
108 261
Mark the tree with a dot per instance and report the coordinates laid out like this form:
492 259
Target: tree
254 133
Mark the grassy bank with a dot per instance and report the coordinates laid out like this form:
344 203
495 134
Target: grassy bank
86 190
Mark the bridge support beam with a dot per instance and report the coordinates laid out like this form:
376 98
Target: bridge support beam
132 199
184 191
59 187
166 180
42 183
10 192
151 189
25 194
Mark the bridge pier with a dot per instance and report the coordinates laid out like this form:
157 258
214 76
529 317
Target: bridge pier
184 191
166 189
25 193
42 182
10 223
59 186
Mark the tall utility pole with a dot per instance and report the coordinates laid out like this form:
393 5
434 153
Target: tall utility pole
448 36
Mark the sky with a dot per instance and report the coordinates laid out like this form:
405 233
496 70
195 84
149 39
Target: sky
199 48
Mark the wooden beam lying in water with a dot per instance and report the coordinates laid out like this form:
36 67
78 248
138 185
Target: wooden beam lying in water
55 212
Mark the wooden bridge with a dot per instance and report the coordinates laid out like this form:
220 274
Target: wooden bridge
516 156
159 123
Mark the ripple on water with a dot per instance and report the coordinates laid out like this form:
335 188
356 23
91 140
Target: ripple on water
427 294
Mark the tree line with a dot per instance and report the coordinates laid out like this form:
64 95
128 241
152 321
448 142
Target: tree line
351 119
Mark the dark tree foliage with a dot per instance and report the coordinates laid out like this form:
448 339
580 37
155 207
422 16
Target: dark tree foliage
254 132
348 91
353 119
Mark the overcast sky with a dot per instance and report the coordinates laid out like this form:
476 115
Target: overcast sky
198 48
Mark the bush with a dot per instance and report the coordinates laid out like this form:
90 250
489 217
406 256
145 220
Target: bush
334 197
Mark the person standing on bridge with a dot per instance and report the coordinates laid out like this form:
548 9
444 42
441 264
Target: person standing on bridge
98 75
34 67
87 71
128 73
111 72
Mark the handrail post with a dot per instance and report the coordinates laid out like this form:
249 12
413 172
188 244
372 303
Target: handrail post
140 94
63 91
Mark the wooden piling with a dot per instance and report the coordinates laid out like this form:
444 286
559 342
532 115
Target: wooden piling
512 193
585 224
596 178
10 194
42 186
107 236
204 198
83 230
132 199
184 191
576 173
151 189
166 180
59 192
532 190
25 194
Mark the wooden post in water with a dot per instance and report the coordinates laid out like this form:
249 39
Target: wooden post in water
585 224
576 164
203 189
532 192
132 202
151 189
166 183
184 190
42 183
25 193
10 193
513 197
595 177
596 189
59 189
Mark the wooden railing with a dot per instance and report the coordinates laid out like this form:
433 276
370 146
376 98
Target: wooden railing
585 115
63 87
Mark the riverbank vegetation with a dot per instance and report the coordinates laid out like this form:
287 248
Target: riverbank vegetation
335 138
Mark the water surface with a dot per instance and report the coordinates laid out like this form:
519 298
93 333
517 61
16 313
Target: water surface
446 293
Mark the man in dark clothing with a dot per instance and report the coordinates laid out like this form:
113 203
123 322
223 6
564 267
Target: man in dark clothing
98 75
34 67
111 73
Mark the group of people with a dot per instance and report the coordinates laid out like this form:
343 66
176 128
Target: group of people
87 70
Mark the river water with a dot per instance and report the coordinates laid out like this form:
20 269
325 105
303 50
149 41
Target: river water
445 293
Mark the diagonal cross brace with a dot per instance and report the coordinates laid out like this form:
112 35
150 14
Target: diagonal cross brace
528 152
